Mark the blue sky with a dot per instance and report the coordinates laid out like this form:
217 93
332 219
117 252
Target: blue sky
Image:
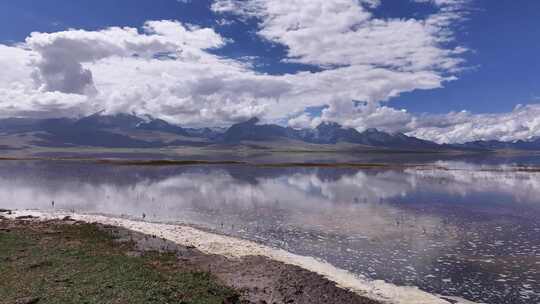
496 73
505 38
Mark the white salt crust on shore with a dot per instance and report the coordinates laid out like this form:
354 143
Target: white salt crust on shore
216 244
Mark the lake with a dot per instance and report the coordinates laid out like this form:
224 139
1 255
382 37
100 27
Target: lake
456 227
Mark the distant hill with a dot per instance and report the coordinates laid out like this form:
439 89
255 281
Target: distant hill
332 133
132 131
325 133
251 130
532 145
162 126
18 125
109 122
89 131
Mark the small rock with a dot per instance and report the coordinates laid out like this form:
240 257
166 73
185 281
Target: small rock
232 299
25 217
28 300
40 264
133 254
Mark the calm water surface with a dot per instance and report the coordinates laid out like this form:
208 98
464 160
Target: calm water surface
471 230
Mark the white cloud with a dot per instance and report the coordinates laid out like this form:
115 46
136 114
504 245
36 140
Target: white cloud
118 69
342 32
63 54
201 90
522 123
165 69
14 66
363 57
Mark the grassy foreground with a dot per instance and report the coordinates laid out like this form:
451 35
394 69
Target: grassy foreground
50 263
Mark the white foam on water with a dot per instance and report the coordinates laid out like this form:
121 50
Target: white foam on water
216 244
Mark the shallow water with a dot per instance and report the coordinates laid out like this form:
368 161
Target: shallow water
463 228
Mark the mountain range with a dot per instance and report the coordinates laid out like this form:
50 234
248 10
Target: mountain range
132 131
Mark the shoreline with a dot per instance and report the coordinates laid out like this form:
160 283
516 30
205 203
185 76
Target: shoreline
276 165
237 249
179 163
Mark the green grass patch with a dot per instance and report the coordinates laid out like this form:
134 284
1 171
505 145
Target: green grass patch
81 264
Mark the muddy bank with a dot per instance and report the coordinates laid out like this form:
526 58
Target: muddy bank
255 279
258 279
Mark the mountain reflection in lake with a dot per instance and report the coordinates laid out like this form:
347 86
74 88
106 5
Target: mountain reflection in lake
466 231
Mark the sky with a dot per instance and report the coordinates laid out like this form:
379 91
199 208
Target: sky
443 70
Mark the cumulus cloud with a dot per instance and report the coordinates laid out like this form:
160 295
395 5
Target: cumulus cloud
164 70
523 123
62 54
14 64
342 32
362 57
